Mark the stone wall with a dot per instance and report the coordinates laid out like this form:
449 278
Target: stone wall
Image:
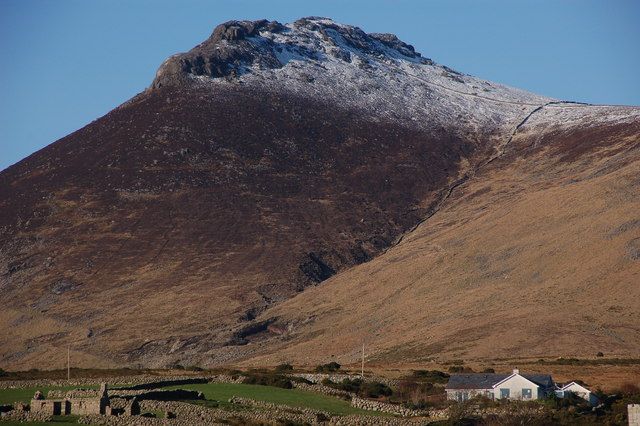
325 390
81 406
75 393
633 412
383 407
338 378
25 416
116 381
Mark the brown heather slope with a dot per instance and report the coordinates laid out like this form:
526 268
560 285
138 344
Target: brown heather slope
159 231
537 256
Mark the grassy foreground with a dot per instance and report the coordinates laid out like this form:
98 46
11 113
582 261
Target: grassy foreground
221 392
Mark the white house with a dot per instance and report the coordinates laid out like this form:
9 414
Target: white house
523 387
578 390
515 386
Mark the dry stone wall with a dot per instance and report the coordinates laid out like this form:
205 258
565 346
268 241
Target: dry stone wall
338 378
383 407
25 416
325 390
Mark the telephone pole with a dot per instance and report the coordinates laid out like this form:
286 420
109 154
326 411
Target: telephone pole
362 370
68 362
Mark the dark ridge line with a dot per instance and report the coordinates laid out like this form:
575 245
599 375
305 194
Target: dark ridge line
437 205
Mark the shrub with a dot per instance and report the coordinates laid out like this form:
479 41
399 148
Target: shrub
2 373
489 370
284 368
331 367
460 369
432 376
361 388
629 389
415 394
268 379
301 380
375 390
599 354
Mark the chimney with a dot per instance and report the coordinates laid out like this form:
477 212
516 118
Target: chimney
516 371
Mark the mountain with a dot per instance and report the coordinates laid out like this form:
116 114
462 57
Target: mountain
285 192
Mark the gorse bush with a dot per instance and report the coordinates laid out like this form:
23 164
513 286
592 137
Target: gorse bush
331 367
417 395
431 376
361 388
282 368
267 378
460 369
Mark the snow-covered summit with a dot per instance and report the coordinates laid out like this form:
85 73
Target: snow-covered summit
377 74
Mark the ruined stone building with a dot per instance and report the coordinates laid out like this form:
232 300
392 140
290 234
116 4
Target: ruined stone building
75 402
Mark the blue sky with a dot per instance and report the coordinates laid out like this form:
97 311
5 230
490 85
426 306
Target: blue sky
65 63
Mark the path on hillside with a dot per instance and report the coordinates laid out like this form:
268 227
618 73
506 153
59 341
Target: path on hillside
446 194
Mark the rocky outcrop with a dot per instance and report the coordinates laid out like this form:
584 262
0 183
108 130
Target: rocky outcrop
237 46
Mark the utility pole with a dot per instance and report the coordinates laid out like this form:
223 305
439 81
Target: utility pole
362 370
68 362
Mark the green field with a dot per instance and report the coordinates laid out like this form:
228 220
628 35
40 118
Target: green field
9 396
221 392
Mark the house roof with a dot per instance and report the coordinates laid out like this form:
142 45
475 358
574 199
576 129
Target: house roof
543 380
571 384
474 381
488 381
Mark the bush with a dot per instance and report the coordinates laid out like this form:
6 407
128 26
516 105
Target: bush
415 395
268 379
375 390
599 354
331 367
284 368
361 388
2 373
460 369
489 371
432 376
629 389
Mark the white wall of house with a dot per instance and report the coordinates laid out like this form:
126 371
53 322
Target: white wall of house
517 387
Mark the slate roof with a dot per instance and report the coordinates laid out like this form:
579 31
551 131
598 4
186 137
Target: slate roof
486 381
543 380
474 381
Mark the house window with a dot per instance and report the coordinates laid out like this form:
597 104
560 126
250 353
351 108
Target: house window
526 393
504 393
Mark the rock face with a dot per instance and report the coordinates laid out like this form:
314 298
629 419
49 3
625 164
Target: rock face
236 46
267 160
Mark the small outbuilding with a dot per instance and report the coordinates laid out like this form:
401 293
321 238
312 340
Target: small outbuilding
578 390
